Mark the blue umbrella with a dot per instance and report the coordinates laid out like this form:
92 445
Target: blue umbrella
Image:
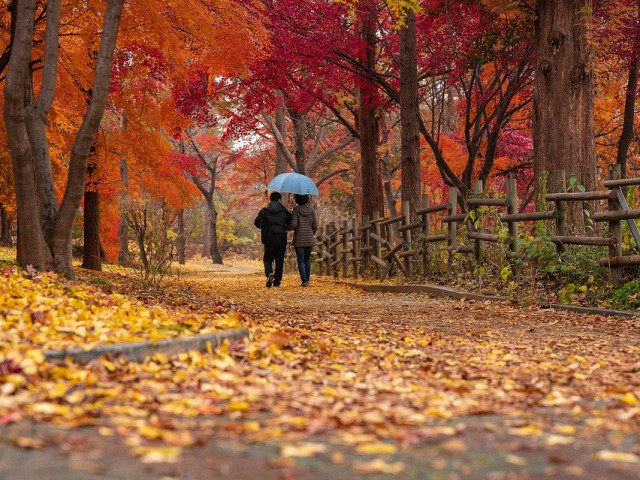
293 183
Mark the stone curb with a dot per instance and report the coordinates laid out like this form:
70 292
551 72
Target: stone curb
459 294
137 351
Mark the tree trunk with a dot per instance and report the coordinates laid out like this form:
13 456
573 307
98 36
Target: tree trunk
281 125
41 244
123 229
409 111
5 227
370 169
206 236
212 224
61 241
32 248
91 257
386 173
181 241
299 131
629 116
563 100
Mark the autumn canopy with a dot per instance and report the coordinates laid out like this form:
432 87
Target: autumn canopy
128 125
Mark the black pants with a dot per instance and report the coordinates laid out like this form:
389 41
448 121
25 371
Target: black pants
271 253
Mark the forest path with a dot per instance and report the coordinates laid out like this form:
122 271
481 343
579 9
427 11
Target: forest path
336 383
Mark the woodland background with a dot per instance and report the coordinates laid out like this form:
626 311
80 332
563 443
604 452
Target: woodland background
379 102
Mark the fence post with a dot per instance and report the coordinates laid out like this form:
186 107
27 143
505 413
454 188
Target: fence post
512 208
328 259
406 236
366 243
391 241
477 192
615 228
376 230
320 256
425 236
453 226
355 251
345 250
333 240
560 185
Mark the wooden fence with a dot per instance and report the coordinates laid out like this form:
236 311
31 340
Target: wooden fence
403 244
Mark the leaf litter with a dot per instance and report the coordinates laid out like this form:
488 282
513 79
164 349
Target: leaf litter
370 374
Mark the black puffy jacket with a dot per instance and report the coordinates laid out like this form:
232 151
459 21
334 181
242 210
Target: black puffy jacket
272 222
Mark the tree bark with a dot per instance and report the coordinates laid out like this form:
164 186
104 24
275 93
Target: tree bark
5 227
181 241
629 116
370 169
91 258
409 113
563 103
61 241
281 126
36 120
212 225
41 243
206 237
32 248
123 229
299 133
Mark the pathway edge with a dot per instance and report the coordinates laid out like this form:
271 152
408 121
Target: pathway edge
137 351
460 294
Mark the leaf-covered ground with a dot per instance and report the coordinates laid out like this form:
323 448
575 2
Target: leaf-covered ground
337 383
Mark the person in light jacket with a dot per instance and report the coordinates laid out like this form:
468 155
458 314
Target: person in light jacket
304 224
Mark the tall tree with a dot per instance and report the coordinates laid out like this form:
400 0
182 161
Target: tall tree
369 164
44 231
563 99
409 112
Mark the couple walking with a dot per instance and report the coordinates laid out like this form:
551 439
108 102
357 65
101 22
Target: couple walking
273 221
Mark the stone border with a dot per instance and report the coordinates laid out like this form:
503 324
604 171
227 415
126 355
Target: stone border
459 294
137 351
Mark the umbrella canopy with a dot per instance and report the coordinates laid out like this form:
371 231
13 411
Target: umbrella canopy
293 183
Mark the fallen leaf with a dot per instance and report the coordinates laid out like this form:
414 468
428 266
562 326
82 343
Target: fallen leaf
613 456
305 449
376 448
379 466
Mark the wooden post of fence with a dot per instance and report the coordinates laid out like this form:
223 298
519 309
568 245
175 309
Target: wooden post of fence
355 251
366 243
477 192
376 230
406 236
391 241
425 235
320 244
345 248
329 259
512 209
453 226
333 245
615 228
559 184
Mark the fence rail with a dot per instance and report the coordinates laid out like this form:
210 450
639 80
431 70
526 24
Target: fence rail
384 246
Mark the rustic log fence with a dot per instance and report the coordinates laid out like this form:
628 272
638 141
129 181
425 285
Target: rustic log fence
386 246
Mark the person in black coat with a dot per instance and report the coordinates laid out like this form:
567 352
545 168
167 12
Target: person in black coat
273 221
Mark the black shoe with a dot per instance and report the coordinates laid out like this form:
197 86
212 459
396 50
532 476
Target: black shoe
275 286
270 280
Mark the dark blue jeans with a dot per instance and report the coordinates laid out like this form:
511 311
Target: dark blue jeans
304 262
274 253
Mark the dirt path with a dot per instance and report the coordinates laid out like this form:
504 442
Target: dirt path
337 383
